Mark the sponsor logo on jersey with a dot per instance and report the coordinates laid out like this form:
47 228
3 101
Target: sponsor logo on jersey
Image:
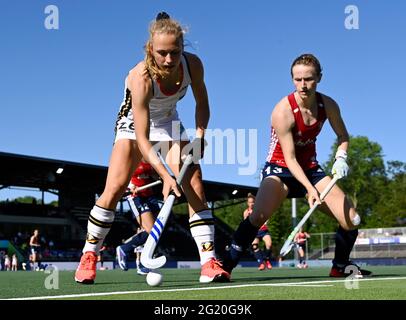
301 143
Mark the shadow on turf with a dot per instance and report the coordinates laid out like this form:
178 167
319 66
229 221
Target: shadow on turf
243 277
167 283
276 278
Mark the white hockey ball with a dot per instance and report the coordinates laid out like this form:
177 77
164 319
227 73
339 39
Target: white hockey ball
154 278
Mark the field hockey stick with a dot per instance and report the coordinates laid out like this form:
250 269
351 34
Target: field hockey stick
153 238
287 246
149 185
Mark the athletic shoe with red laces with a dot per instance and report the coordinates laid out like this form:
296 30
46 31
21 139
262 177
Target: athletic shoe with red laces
261 266
348 270
212 271
86 271
268 264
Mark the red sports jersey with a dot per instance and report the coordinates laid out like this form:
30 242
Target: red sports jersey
143 175
304 137
301 237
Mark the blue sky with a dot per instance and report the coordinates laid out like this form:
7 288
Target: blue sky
60 90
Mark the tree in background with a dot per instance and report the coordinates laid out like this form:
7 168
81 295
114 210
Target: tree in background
377 192
230 211
390 209
367 179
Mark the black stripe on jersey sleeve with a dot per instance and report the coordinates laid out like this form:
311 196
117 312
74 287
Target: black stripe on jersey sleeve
188 67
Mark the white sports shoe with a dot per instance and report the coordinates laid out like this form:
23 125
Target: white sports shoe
142 271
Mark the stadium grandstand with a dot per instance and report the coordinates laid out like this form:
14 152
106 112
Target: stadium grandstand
380 246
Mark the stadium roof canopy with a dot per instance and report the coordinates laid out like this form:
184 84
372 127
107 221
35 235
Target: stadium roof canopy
42 173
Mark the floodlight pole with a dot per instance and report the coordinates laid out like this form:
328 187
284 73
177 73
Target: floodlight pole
294 221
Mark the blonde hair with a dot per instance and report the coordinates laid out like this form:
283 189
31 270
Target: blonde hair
162 24
250 195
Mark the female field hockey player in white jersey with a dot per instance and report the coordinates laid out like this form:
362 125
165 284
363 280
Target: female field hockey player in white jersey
147 119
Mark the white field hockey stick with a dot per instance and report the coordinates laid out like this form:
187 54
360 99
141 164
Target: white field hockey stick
287 246
149 185
153 238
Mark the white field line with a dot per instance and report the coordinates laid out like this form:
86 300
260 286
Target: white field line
307 285
282 284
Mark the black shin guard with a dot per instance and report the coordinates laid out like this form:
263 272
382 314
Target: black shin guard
268 254
242 239
344 243
134 242
259 256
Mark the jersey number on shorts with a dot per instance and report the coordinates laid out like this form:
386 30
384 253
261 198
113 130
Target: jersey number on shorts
145 207
123 126
276 170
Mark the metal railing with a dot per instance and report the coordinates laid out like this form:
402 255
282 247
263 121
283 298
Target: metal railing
370 243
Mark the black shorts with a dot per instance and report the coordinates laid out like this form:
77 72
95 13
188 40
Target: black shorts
296 189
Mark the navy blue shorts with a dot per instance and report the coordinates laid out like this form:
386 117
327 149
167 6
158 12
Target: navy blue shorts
296 189
301 245
262 233
140 205
35 250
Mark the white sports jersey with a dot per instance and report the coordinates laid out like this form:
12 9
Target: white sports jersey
162 109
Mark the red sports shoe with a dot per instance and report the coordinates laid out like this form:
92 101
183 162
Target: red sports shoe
261 266
212 271
86 271
353 269
268 264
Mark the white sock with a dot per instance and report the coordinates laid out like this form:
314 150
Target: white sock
202 229
98 226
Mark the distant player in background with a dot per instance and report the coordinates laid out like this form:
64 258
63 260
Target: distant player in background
100 258
7 263
263 258
35 249
14 263
300 240
144 206
2 256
